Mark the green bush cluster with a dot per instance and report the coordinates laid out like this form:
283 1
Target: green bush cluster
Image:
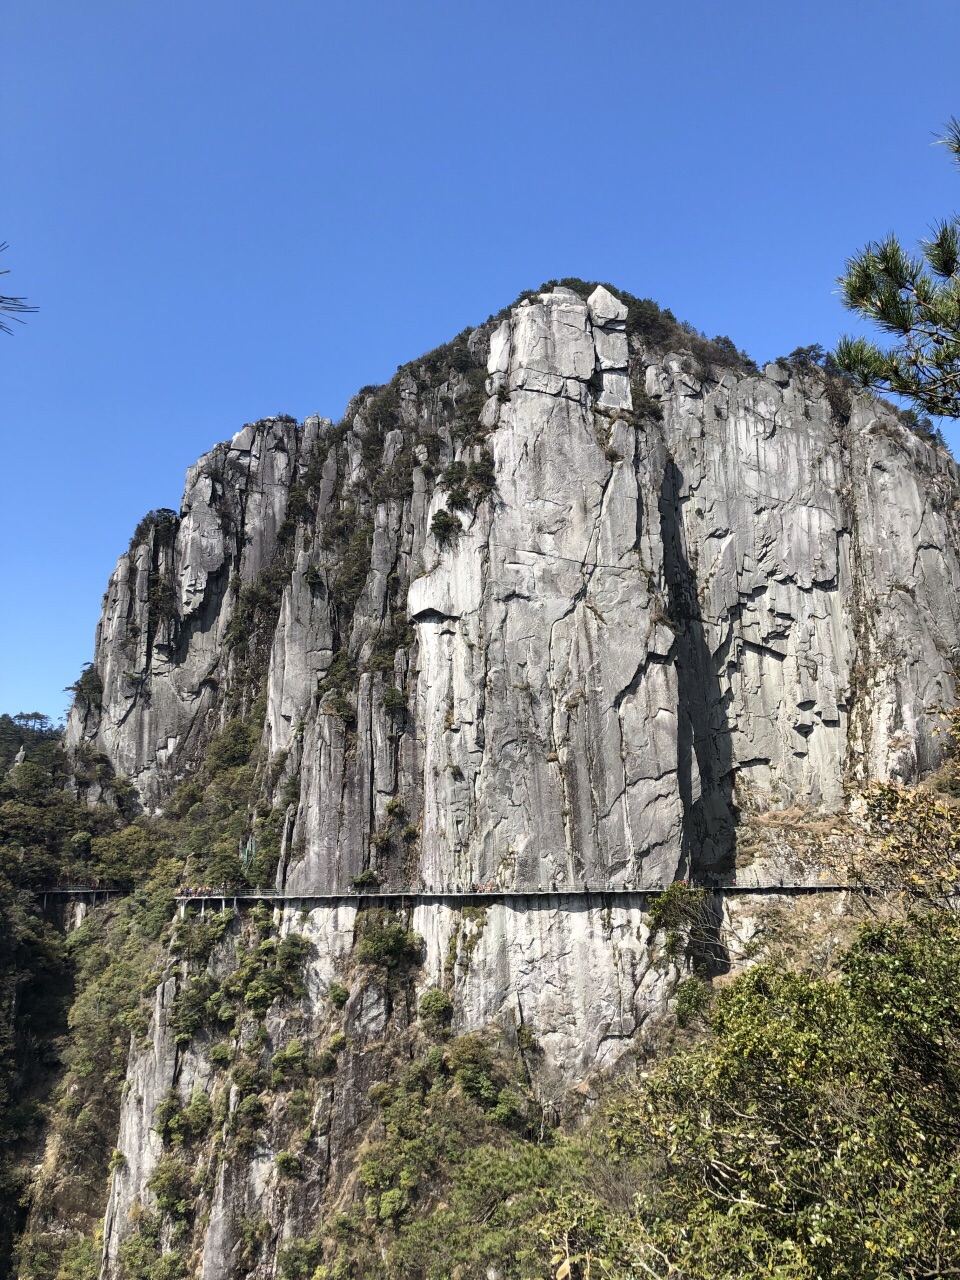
143 1257
184 1126
161 525
394 702
384 942
436 1009
288 1165
446 528
268 972
339 994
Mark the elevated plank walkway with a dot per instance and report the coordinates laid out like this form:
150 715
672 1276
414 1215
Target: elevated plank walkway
412 896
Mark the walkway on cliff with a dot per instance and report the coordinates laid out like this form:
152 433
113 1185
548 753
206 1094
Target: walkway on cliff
221 896
214 895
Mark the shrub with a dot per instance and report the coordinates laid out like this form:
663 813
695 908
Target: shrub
446 528
220 1054
170 1184
190 1008
645 406
88 688
692 997
162 524
299 1259
288 1164
678 913
80 1260
394 702
388 944
436 1008
472 1068
251 1111
291 1061
339 994
230 747
325 1063
481 474
458 499
454 477
291 953
263 990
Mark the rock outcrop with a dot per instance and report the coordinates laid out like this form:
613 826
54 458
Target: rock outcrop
728 593
548 612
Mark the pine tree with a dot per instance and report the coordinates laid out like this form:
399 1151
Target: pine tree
15 308
916 300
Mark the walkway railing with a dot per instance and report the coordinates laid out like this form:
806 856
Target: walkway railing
94 891
484 893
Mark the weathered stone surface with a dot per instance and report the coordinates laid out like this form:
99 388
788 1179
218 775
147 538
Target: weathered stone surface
646 622
649 627
604 307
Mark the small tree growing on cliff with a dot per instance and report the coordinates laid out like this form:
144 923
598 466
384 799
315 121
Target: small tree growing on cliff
915 299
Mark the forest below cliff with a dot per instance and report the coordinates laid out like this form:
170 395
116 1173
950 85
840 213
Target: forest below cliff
799 1120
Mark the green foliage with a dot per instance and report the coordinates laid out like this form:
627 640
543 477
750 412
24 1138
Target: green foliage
816 1133
481 475
645 406
454 476
289 1064
352 570
657 326
80 1260
142 1256
394 702
299 1259
472 1067
288 1165
183 1126
384 942
681 915
341 680
230 748
254 618
446 528
339 994
161 524
448 1190
220 1054
170 1185
915 300
692 997
68 1005
436 1008
190 1007
88 687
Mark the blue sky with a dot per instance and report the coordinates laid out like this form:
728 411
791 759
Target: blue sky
231 208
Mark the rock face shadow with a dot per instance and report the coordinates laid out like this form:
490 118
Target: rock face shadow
704 736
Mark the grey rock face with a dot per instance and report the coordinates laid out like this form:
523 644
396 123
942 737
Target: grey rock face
161 651
677 593
643 619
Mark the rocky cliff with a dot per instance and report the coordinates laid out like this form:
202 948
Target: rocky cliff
554 609
674 589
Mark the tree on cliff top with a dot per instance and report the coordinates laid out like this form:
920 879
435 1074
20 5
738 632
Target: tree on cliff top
915 299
